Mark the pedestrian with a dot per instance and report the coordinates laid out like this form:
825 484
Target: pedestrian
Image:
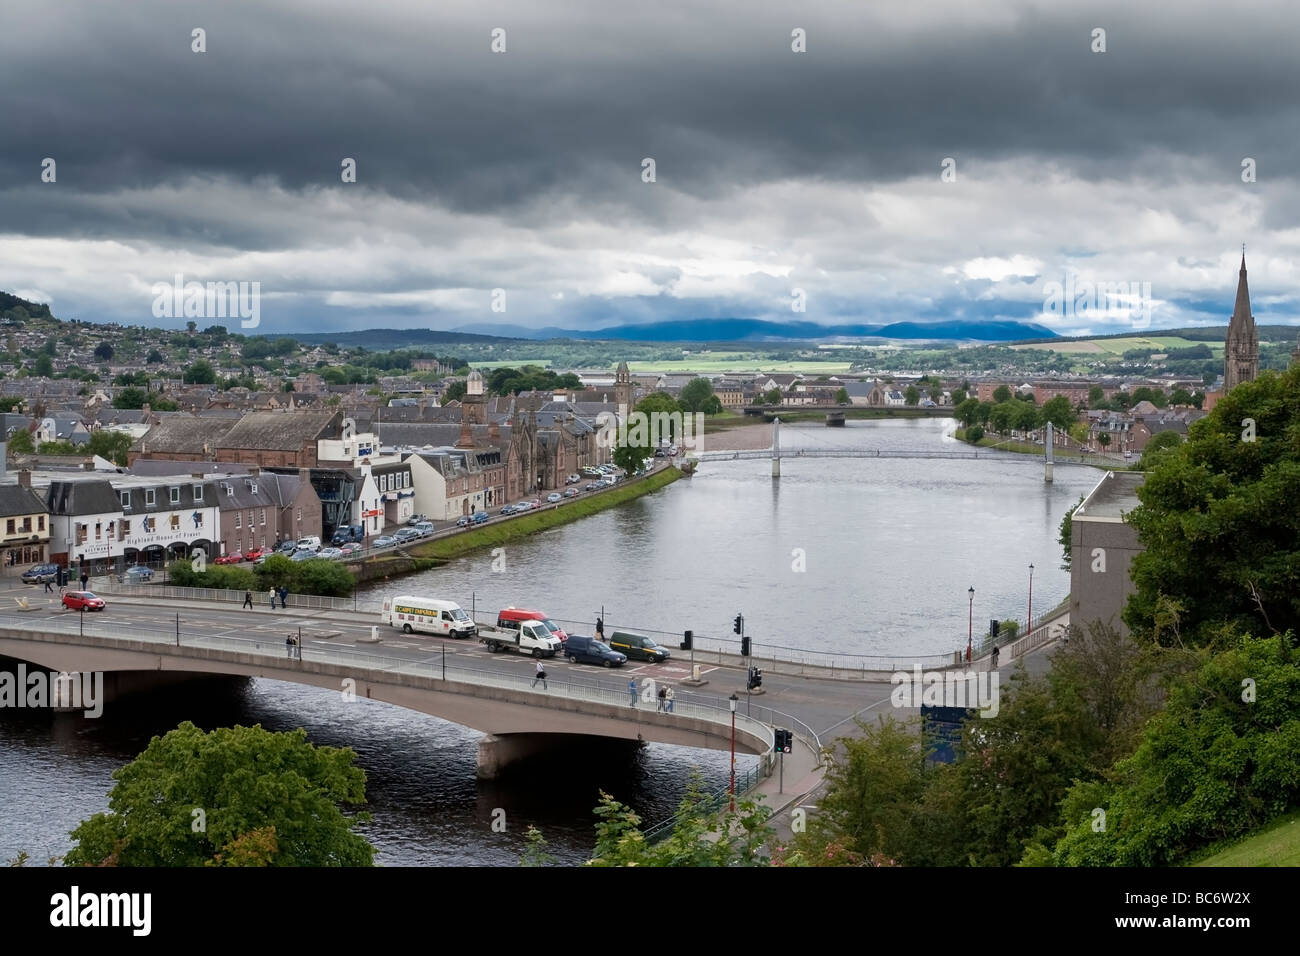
248 600
272 593
631 691
284 597
600 629
288 646
541 676
49 589
85 579
995 657
663 699
668 695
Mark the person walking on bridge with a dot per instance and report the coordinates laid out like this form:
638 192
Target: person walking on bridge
668 699
288 646
284 597
272 593
631 691
994 658
248 600
541 676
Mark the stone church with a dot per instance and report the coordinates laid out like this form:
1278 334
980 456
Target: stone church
1241 354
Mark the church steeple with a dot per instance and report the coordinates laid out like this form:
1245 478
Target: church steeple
1241 352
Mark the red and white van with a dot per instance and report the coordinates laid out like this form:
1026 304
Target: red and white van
509 620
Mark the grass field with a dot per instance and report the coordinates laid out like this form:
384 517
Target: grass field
1276 845
739 365
513 363
1160 343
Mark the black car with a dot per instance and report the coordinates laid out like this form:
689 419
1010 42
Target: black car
587 650
638 648
41 573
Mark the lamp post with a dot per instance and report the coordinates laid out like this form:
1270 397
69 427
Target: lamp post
1029 622
733 700
970 623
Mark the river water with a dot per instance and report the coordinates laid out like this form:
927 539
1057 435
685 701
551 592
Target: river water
853 556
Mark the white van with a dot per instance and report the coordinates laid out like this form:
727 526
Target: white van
444 618
309 543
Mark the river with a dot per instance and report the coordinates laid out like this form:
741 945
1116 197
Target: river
888 549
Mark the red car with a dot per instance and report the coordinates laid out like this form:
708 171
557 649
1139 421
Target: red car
234 557
256 553
82 600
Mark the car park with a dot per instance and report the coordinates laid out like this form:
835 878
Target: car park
580 649
553 497
137 574
40 573
384 541
638 647
82 601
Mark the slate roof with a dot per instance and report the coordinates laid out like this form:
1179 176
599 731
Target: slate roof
16 500
82 498
279 431
183 435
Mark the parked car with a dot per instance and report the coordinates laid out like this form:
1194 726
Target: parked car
255 553
572 480
234 557
594 486
522 506
137 574
570 492
348 533
303 555
403 535
416 519
507 511
462 522
350 548
481 517
553 497
384 541
425 528
286 547
638 648
580 649
40 573
82 600
330 553
309 542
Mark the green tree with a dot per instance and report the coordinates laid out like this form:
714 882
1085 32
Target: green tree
958 396
454 392
1159 442
974 434
912 395
1217 521
1180 396
1095 396
130 398
695 394
242 780
200 373
112 445
21 443
1025 417
154 357
1001 394
1065 531
43 366
967 412
1059 412
104 351
842 396
772 396
1103 440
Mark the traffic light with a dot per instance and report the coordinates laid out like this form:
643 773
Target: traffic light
687 637
784 742
738 625
744 646
993 627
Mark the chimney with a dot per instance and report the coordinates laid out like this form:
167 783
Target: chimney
25 478
254 470
466 439
494 431
304 474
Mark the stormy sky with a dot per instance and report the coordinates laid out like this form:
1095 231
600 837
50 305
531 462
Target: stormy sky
774 170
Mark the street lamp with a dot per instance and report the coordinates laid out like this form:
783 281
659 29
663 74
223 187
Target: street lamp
733 700
970 624
1029 622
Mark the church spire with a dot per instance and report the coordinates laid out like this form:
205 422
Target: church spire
1241 352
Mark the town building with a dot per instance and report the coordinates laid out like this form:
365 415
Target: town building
1241 352
1102 547
24 526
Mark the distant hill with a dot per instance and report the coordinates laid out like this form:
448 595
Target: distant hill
758 330
383 340
10 303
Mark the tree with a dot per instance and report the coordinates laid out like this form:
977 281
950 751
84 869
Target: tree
1001 394
454 392
842 396
1095 396
631 454
967 412
912 395
204 799
1180 396
200 373
104 351
1059 412
958 396
154 357
1103 439
191 327
286 386
43 366
109 444
1025 417
1159 442
772 396
974 434
130 398
1217 519
695 394
1066 530
21 443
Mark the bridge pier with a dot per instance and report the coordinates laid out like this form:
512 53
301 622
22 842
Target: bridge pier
776 447
834 419
1047 453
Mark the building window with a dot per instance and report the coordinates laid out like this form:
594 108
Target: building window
40 523
27 525
299 514
126 529
198 492
126 499
149 497
238 517
9 527
176 522
98 531
176 496
250 517
262 515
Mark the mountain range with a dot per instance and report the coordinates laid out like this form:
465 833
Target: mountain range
758 330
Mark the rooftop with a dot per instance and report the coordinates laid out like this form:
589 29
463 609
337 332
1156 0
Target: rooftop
1114 497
